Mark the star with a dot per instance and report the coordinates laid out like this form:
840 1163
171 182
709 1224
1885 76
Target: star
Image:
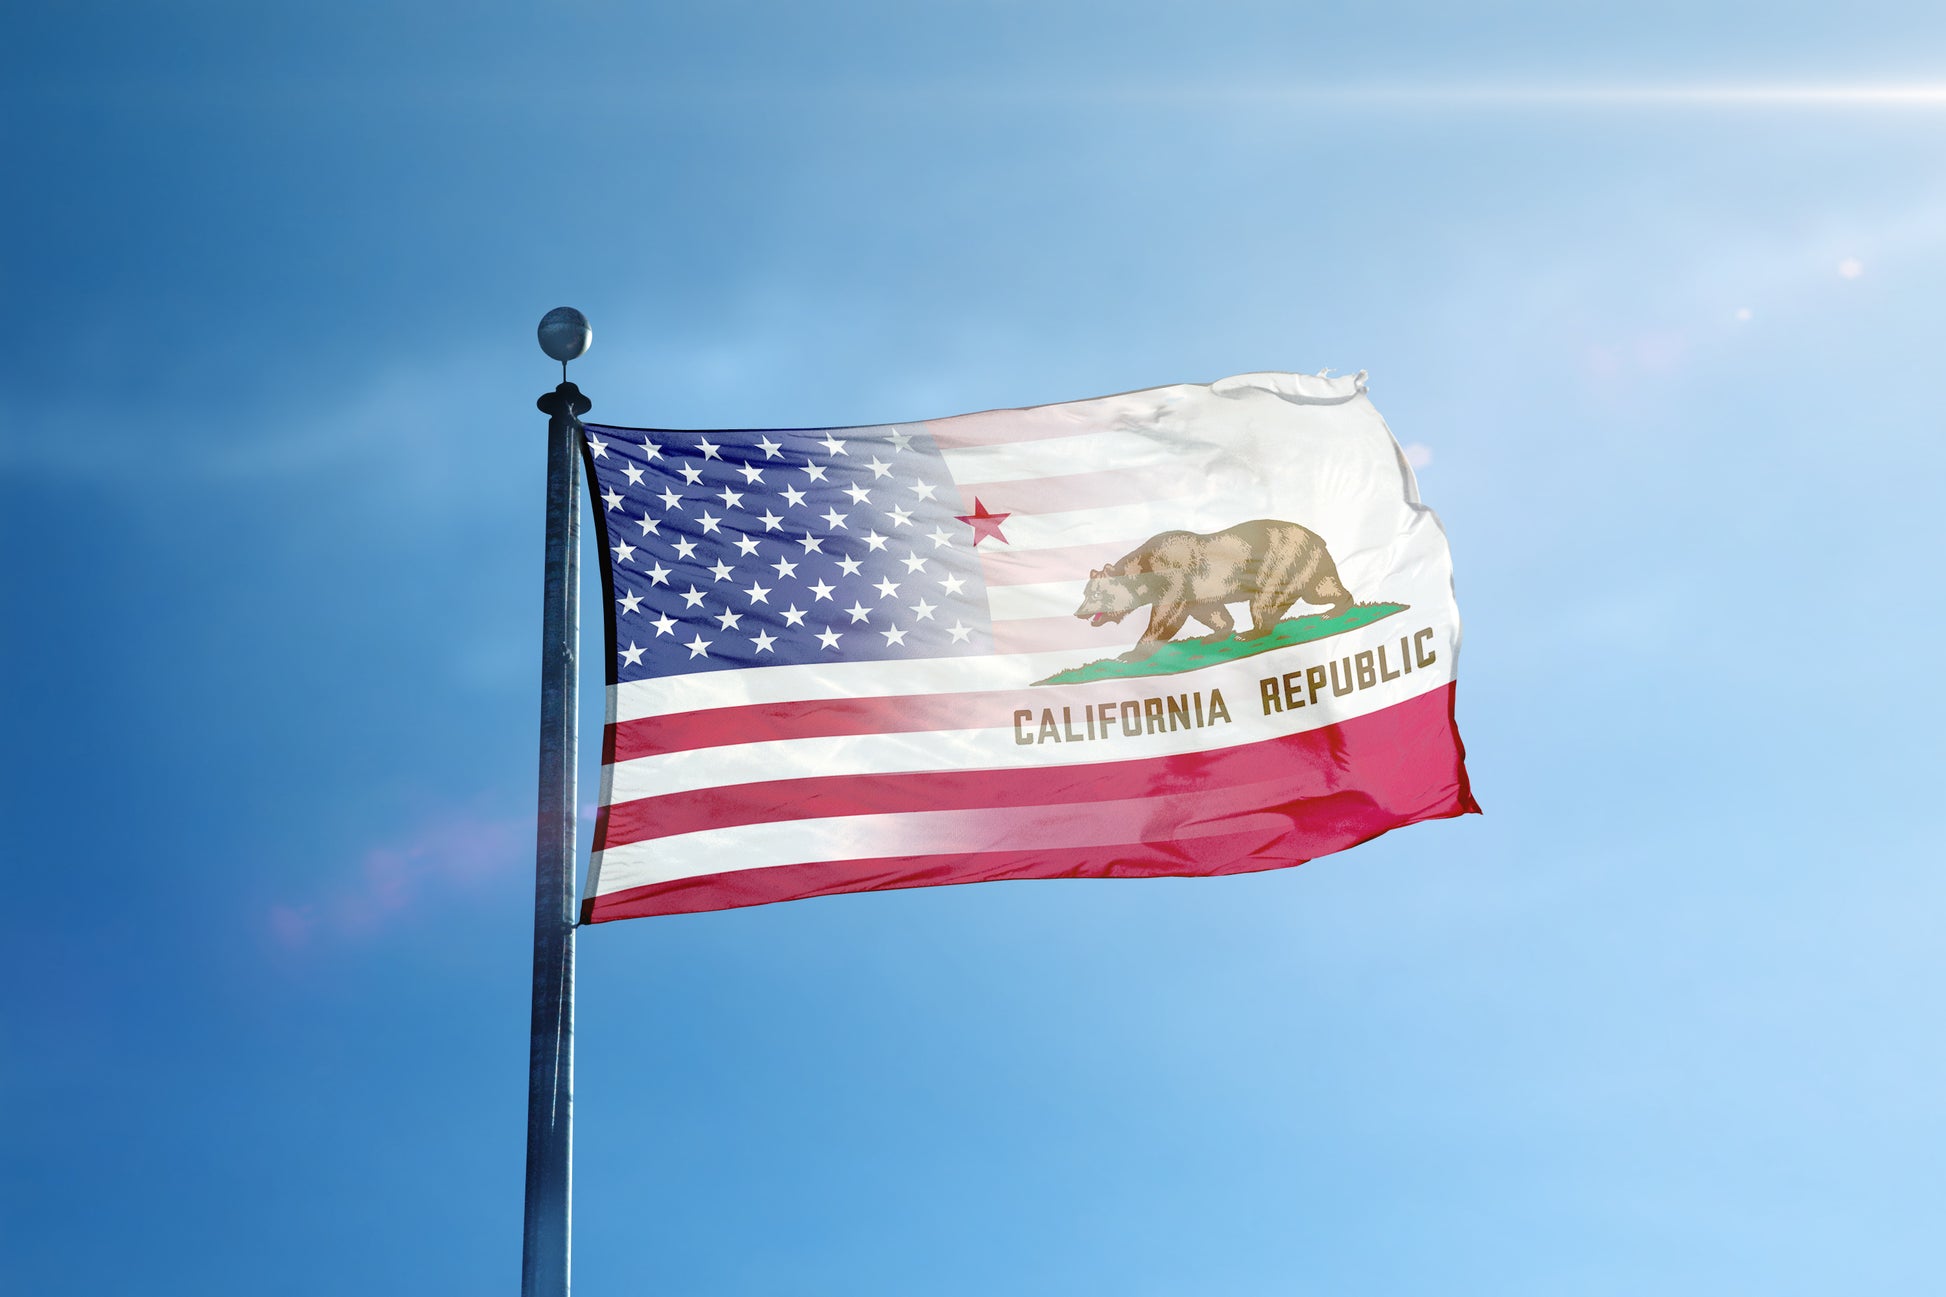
923 610
939 538
922 489
901 440
624 552
858 494
959 633
848 566
691 474
664 624
611 498
597 448
832 446
811 543
792 616
984 524
728 620
793 497
951 583
821 590
885 588
752 475
633 474
670 500
893 636
813 472
828 638
771 521
913 563
708 448
747 545
769 447
650 527
721 571
697 647
694 599
783 567
731 499
651 451
833 519
685 548
879 467
632 656
876 541
630 601
901 517
859 612
659 575
757 594
763 641
709 522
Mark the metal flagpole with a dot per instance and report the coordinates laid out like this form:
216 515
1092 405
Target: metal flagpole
564 335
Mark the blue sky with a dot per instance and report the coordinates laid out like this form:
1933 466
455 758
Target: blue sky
1661 1020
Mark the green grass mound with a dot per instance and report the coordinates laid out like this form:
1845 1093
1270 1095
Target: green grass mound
1191 654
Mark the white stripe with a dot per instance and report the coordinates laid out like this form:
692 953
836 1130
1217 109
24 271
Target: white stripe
1122 451
1050 599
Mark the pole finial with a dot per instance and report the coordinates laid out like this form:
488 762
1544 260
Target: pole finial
565 335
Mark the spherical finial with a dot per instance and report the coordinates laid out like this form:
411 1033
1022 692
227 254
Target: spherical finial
565 334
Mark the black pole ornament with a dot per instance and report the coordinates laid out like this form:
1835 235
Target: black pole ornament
545 1249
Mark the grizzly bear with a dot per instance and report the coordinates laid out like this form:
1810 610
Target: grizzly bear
1186 574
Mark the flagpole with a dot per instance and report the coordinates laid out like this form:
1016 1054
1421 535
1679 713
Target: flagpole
545 1251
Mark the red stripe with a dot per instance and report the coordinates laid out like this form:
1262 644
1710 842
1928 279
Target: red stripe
1072 492
1425 780
1063 563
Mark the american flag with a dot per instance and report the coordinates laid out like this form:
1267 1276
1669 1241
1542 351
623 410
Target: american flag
836 656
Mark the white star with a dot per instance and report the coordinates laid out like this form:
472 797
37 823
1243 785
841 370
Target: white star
879 468
793 497
821 590
951 584
757 594
659 575
939 538
885 588
848 566
752 475
694 599
633 474
792 617
832 446
624 551
708 448
728 620
813 472
597 448
651 451
959 633
769 447
922 490
913 563
685 548
828 638
691 474
697 647
763 641
893 636
900 440
630 601
650 527
709 522
783 567
746 545
611 498
859 612
670 500
632 656
876 541
811 543
664 624
901 517
923 610
833 519
771 521
858 494
721 571
731 499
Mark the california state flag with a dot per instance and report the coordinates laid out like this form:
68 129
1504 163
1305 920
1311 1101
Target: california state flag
1202 629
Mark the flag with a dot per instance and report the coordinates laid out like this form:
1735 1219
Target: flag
1190 630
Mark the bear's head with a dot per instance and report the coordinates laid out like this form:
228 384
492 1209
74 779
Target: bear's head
1110 596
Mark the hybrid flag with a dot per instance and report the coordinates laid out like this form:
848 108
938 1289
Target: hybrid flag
1190 630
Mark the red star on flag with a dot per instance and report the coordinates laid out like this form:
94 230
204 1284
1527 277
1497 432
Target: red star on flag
984 524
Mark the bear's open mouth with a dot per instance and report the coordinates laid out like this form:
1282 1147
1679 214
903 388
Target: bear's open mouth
1099 619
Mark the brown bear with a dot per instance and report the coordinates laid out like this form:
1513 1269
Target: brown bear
1186 574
